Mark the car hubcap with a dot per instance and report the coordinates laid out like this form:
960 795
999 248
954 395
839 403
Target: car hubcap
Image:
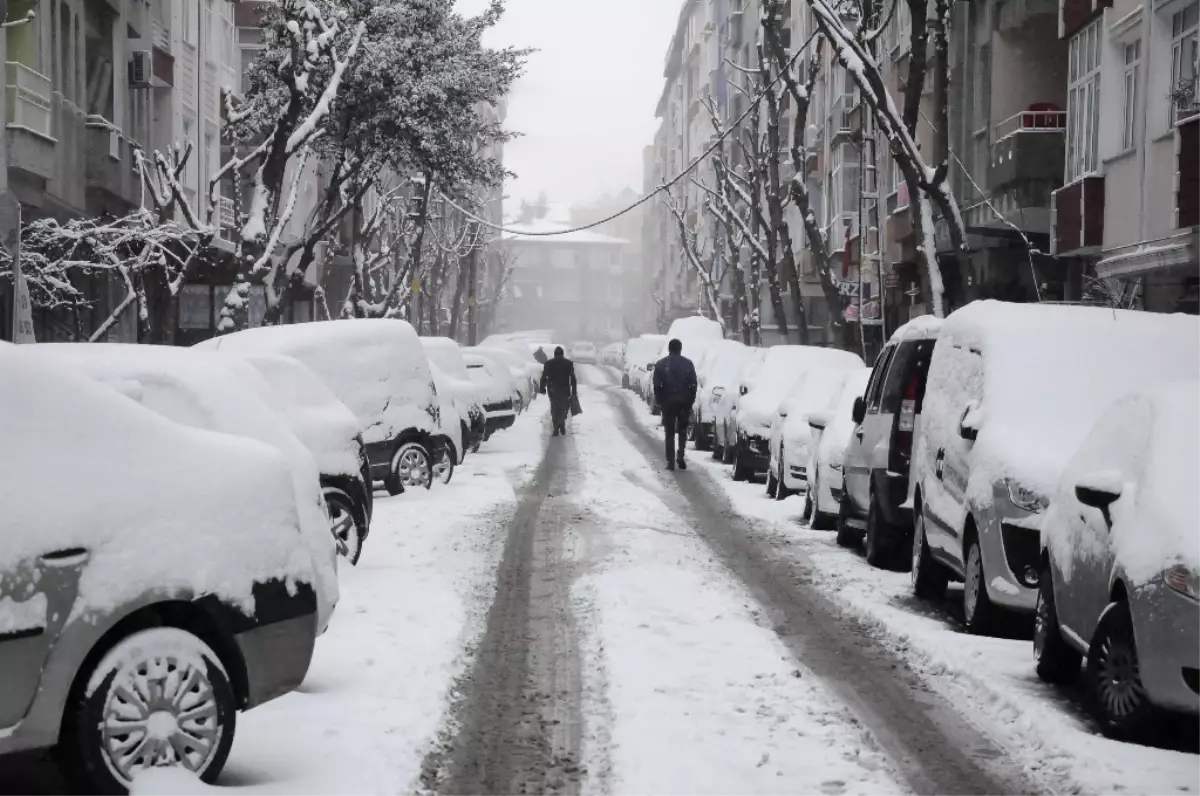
344 531
414 469
442 472
1120 683
160 711
974 578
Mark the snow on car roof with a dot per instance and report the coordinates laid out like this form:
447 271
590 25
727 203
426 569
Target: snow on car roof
922 327
377 367
446 354
695 328
120 464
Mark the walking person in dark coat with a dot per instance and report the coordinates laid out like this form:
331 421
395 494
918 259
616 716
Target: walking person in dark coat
558 381
675 391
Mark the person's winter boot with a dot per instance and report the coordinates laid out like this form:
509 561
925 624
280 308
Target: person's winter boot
555 434
670 464
682 464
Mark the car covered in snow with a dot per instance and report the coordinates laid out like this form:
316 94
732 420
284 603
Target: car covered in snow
525 372
1120 570
582 352
497 391
1013 390
379 370
445 356
224 394
640 356
164 587
613 355
722 362
824 371
330 432
832 431
725 409
878 493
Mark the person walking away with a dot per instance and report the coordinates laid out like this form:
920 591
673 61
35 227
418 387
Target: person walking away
540 355
675 391
558 382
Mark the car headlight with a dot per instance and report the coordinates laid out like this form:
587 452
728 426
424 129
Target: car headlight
1183 580
1024 498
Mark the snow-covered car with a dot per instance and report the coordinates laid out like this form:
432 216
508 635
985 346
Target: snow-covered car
496 390
1119 578
791 437
378 369
722 364
582 352
613 355
758 409
330 432
523 372
445 356
640 353
725 410
204 390
1013 390
832 431
878 488
139 556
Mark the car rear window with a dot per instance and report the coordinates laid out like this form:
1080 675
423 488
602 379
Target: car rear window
912 358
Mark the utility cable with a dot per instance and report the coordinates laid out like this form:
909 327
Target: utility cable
662 187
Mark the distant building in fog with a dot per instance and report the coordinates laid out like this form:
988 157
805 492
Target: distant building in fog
627 227
570 283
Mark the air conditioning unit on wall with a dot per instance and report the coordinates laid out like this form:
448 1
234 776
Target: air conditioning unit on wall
140 69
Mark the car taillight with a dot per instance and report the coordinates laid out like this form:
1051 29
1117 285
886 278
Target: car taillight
908 417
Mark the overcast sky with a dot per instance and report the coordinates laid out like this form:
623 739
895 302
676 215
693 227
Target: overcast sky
585 107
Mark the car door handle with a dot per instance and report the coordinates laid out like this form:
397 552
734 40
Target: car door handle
67 557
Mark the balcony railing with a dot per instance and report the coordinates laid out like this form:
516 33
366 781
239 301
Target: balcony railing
1032 122
28 98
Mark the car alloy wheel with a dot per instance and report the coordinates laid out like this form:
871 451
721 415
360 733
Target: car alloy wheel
412 467
346 533
159 697
1114 676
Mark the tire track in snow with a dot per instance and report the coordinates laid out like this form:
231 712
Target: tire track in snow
933 746
518 723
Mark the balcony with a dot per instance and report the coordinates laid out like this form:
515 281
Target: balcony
841 117
109 161
1030 147
1187 177
1077 217
30 145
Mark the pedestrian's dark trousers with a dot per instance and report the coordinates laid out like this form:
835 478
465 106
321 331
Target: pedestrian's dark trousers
560 407
675 423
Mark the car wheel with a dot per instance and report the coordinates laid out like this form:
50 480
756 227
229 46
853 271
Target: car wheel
929 578
159 697
411 466
740 471
718 451
781 490
846 535
772 484
348 535
821 520
807 516
1114 677
881 538
1057 661
980 615
443 471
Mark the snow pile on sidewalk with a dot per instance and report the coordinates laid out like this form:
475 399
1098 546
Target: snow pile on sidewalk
376 694
686 689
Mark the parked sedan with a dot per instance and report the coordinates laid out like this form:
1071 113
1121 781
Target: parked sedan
726 407
832 432
1119 578
147 607
724 360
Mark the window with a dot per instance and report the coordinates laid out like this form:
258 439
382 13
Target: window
1083 102
1185 61
190 22
1133 60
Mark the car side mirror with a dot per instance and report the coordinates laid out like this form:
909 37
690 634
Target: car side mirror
1099 490
968 426
650 366
859 411
743 390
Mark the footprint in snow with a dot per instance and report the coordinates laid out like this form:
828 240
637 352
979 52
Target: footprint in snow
834 786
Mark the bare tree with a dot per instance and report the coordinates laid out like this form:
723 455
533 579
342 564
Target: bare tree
696 256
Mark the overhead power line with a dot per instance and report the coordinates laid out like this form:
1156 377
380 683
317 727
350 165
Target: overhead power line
665 185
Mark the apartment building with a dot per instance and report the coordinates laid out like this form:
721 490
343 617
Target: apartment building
1130 205
89 83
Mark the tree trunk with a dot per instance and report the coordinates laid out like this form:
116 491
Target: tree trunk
472 298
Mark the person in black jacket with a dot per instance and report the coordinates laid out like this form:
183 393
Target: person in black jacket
558 381
675 391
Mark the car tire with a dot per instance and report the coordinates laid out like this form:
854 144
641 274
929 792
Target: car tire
92 751
980 614
772 484
821 520
1057 661
1115 692
929 578
443 471
782 492
718 451
846 535
704 442
346 524
881 539
729 451
411 466
740 471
